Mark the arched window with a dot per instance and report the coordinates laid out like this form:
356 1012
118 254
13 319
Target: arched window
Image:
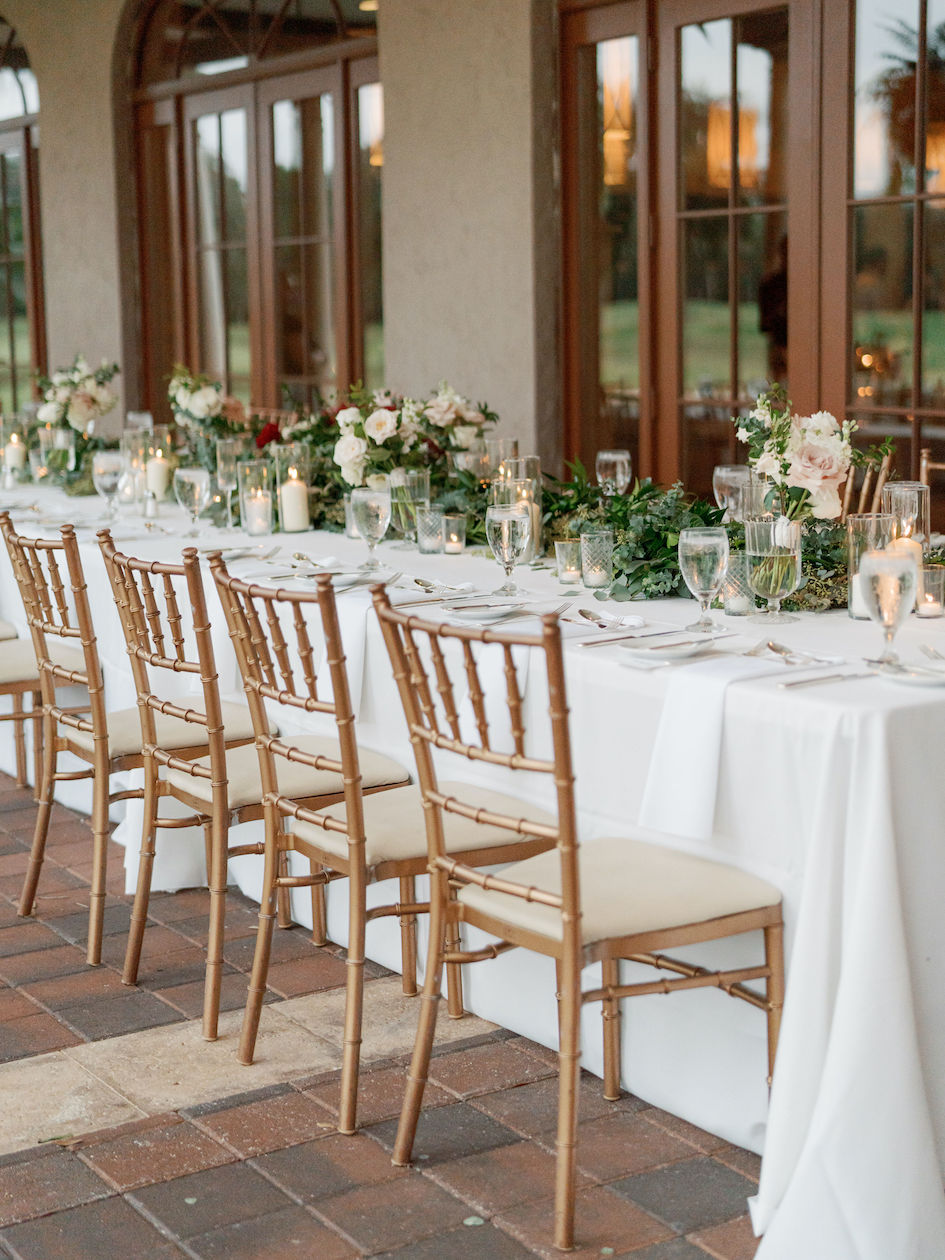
259 129
22 338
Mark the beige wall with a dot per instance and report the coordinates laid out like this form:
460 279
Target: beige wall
469 224
70 45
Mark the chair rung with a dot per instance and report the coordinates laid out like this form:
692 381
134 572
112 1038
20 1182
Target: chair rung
61 776
246 850
401 908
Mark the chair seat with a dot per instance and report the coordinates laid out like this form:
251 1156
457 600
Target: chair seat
395 831
7 630
18 660
627 887
295 780
124 730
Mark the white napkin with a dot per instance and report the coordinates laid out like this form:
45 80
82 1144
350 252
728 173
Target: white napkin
681 786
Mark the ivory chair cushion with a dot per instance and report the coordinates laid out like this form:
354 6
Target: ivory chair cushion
627 886
124 730
244 784
7 630
395 831
18 660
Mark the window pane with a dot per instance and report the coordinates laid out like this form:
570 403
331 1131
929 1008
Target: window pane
212 321
935 99
6 333
207 179
370 176
886 47
706 114
287 155
761 69
318 163
233 149
237 324
304 312
882 304
13 199
706 323
762 302
21 335
933 319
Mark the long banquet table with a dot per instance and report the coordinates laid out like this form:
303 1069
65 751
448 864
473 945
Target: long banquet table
834 793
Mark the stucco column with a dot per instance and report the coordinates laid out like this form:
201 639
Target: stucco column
469 219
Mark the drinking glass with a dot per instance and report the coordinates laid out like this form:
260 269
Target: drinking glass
192 492
508 528
730 485
498 450
597 558
429 530
908 502
613 471
228 453
703 555
409 492
371 510
107 470
773 547
888 582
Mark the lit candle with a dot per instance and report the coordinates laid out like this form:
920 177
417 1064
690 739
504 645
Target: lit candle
859 608
454 534
14 455
157 475
257 512
928 606
293 503
914 549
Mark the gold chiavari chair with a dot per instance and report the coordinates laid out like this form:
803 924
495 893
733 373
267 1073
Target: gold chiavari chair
367 838
928 465
223 788
870 494
604 901
19 677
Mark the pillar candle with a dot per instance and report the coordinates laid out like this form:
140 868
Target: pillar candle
914 549
257 512
293 504
14 455
157 475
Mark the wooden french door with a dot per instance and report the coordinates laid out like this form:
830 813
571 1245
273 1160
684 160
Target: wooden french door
691 224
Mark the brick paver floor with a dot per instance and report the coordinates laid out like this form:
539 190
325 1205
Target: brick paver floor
265 1173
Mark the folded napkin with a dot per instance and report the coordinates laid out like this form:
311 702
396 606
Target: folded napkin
681 786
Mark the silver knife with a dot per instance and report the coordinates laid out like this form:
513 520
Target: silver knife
826 678
635 634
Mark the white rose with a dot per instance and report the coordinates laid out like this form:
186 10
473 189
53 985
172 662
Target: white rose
380 425
62 394
206 402
353 473
822 422
49 413
825 503
465 434
82 409
768 465
377 481
182 398
350 449
347 418
441 411
742 434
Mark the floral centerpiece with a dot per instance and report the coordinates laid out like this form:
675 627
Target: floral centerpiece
203 412
452 422
376 433
805 459
77 396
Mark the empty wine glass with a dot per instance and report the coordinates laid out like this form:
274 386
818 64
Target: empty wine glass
107 470
371 511
613 471
192 491
729 485
508 529
888 582
228 453
773 547
703 555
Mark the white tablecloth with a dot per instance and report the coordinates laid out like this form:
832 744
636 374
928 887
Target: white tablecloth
833 793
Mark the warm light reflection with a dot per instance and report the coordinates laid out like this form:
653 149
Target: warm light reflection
718 146
371 122
935 158
614 69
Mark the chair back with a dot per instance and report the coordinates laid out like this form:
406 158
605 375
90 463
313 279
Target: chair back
928 465
276 634
871 488
429 676
153 598
51 582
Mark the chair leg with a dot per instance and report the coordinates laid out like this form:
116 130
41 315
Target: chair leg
37 718
569 1058
284 895
139 909
408 938
426 1025
610 1016
41 829
319 910
217 882
100 834
19 738
774 957
257 979
454 974
354 995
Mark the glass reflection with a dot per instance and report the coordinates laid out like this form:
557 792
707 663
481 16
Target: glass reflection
883 332
761 80
885 109
287 156
933 315
935 99
762 302
705 114
207 179
370 181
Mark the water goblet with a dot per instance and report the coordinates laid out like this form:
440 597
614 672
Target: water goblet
729 485
773 547
228 453
703 555
371 509
508 529
192 492
613 471
107 470
888 582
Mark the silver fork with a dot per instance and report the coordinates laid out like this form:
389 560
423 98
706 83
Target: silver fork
527 612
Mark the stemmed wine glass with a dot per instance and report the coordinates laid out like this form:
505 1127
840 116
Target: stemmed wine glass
228 453
107 470
703 555
773 547
192 491
888 581
730 484
371 511
508 529
613 471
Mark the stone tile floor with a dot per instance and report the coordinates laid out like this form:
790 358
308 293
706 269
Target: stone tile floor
122 1131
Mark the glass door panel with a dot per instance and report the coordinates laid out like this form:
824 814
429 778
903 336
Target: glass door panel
15 347
370 106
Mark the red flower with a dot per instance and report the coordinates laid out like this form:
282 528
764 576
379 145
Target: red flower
268 433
